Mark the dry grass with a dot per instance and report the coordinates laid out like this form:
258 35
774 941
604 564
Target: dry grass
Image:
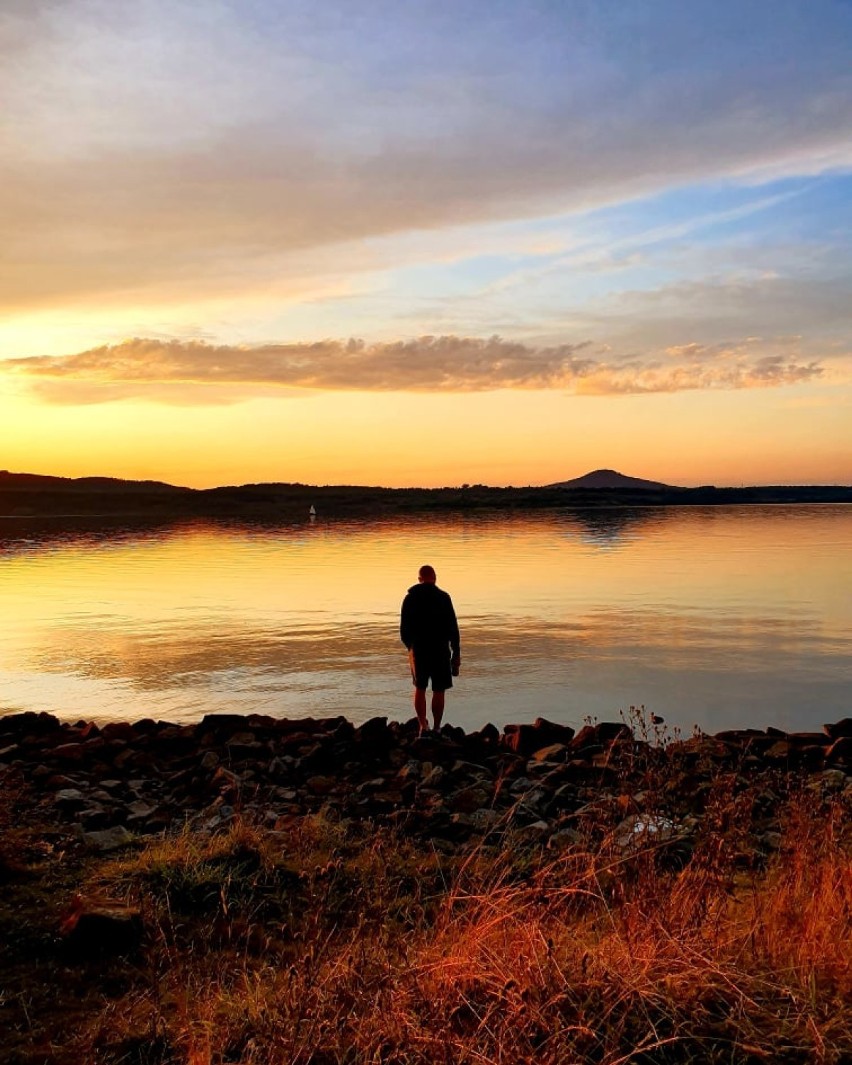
329 945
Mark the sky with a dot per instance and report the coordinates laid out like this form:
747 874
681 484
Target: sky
426 243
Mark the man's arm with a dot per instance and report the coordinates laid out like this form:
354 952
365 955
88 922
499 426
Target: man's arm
454 637
405 623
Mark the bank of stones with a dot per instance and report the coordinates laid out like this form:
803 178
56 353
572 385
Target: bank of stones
541 783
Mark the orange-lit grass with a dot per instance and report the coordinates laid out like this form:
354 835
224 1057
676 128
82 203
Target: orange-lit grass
327 947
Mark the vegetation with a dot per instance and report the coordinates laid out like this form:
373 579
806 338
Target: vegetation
109 499
327 942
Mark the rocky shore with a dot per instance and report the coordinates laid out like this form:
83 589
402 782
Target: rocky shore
542 783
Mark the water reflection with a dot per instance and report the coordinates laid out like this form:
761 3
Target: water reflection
708 616
607 526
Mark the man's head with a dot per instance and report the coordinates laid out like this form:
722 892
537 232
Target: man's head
426 575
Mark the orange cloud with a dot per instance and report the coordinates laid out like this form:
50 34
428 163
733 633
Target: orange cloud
181 371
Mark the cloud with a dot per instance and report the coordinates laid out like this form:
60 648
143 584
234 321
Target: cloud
159 147
190 372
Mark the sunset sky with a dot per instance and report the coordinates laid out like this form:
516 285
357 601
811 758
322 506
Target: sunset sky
424 243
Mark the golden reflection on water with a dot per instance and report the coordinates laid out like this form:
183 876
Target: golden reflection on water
714 616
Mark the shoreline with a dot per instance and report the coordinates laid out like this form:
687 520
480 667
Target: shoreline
124 779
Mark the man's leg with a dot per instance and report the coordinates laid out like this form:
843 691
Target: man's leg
437 707
420 708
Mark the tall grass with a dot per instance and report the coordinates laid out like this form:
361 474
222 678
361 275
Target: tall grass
329 945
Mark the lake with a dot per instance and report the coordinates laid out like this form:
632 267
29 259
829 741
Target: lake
718 617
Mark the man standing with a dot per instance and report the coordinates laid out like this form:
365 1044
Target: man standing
429 630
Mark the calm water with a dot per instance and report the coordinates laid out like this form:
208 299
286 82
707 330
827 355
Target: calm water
718 617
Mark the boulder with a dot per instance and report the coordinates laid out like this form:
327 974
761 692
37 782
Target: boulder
107 839
93 928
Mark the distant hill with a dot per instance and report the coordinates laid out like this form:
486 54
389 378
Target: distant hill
40 482
610 479
110 499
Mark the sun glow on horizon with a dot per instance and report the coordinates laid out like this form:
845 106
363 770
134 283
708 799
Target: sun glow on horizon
426 246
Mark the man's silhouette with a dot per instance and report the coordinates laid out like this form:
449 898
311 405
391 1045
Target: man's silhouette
429 630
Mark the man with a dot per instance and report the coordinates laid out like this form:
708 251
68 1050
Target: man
429 630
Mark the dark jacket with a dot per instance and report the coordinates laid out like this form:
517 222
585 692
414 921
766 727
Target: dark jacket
428 620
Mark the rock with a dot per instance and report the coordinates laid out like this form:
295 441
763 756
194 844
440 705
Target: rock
840 752
107 839
433 778
139 808
93 816
536 832
242 739
94 929
374 731
638 830
124 758
209 760
809 739
833 779
376 784
489 734
527 739
466 800
564 838
69 752
412 770
484 819
534 801
321 785
555 752
118 730
69 797
226 781
771 841
564 797
839 729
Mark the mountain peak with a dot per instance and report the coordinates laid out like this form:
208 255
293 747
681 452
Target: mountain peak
609 479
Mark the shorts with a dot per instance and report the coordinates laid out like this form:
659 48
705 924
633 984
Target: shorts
431 664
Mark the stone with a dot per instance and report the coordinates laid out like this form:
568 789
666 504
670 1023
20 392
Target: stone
209 760
466 800
226 780
93 816
412 770
555 752
123 758
534 801
536 832
69 752
839 729
139 809
242 739
840 752
321 785
94 929
433 778
833 779
639 830
119 730
484 819
564 838
69 797
374 731
107 839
